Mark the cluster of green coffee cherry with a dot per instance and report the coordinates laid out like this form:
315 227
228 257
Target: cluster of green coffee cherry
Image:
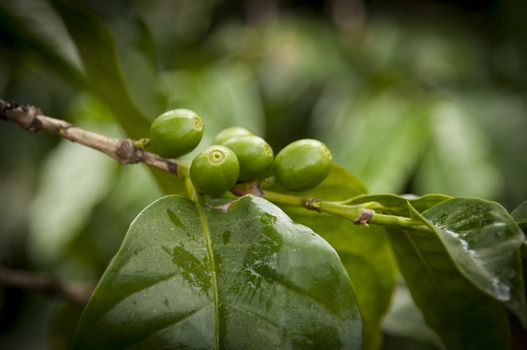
237 155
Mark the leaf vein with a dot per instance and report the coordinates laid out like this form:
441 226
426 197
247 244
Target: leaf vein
172 323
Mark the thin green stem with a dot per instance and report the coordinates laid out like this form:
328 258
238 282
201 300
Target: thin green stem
351 212
363 213
398 221
282 198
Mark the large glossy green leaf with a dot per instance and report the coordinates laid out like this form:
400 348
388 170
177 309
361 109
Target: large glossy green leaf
365 252
520 214
484 242
462 315
242 277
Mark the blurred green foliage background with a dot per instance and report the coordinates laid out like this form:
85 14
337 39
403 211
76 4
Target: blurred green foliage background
411 96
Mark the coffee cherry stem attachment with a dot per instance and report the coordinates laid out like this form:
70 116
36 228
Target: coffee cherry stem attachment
244 188
192 192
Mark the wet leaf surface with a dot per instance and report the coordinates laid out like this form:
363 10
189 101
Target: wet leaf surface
484 242
461 314
248 277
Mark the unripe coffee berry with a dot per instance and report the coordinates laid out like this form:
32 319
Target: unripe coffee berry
254 155
302 165
175 133
230 133
215 170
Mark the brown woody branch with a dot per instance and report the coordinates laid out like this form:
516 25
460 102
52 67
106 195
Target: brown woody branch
125 151
75 292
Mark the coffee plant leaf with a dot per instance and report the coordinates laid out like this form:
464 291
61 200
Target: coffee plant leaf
462 315
484 242
229 274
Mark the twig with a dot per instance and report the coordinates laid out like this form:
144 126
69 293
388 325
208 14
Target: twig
125 151
75 292
128 151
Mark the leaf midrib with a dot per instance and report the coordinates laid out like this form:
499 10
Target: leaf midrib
172 323
206 232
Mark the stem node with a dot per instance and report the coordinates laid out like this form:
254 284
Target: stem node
312 204
364 216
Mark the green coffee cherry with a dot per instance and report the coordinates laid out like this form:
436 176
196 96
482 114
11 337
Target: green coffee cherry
230 133
302 165
214 170
175 133
254 155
